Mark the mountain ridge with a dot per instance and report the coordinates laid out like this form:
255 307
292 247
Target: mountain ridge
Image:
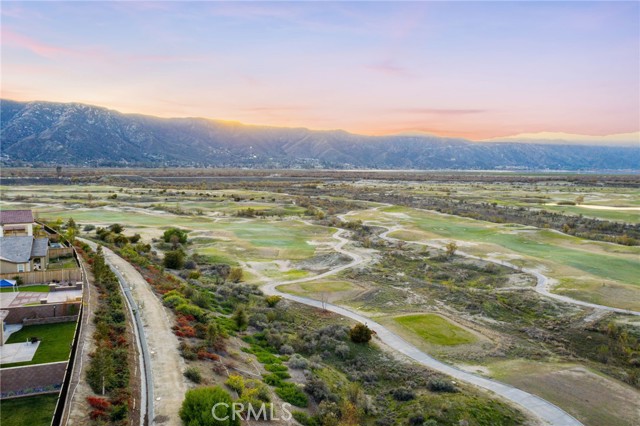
41 132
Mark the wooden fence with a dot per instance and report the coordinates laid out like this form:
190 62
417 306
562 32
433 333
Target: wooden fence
45 277
55 253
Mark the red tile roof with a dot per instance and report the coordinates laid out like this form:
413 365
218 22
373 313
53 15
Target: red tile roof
15 216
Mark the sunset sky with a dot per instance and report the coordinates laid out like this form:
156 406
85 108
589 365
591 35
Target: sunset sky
469 69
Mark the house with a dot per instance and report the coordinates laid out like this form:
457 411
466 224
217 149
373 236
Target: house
16 223
23 254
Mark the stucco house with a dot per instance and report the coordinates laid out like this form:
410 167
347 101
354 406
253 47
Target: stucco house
23 254
16 223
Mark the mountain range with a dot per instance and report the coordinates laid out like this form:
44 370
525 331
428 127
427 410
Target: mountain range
47 133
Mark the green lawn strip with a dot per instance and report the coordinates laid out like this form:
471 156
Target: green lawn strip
55 342
435 329
28 411
27 288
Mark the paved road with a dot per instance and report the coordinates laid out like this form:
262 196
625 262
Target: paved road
545 411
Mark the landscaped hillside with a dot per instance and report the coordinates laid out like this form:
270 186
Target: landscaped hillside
55 133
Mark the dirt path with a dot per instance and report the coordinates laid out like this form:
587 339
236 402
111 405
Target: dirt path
541 409
169 384
542 287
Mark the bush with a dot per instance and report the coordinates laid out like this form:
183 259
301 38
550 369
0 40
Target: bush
403 394
88 228
297 362
343 351
319 390
179 233
440 385
173 259
304 419
174 300
272 301
360 333
197 405
292 394
193 374
240 318
236 383
189 309
235 275
286 350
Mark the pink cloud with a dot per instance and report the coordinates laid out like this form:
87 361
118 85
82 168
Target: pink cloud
45 50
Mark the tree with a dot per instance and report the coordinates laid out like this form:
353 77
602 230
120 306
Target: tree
240 318
208 406
173 259
360 333
71 224
451 248
579 199
181 234
235 275
59 171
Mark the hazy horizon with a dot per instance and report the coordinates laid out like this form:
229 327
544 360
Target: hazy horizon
471 70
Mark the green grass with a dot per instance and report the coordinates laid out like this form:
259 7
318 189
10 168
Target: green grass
30 288
435 329
537 243
54 345
28 411
63 263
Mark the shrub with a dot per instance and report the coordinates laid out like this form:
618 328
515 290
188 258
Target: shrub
304 419
403 394
286 350
319 390
240 318
193 374
173 259
343 351
88 228
272 301
272 368
197 405
179 233
292 394
297 362
173 300
440 385
189 309
236 383
235 275
272 379
360 333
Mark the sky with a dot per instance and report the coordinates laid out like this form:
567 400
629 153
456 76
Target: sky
474 70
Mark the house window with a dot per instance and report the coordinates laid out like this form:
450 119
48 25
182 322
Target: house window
20 267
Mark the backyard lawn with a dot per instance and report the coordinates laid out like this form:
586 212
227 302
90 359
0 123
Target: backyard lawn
28 411
32 288
55 342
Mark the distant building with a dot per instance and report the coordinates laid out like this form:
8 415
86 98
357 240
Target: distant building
23 254
16 223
